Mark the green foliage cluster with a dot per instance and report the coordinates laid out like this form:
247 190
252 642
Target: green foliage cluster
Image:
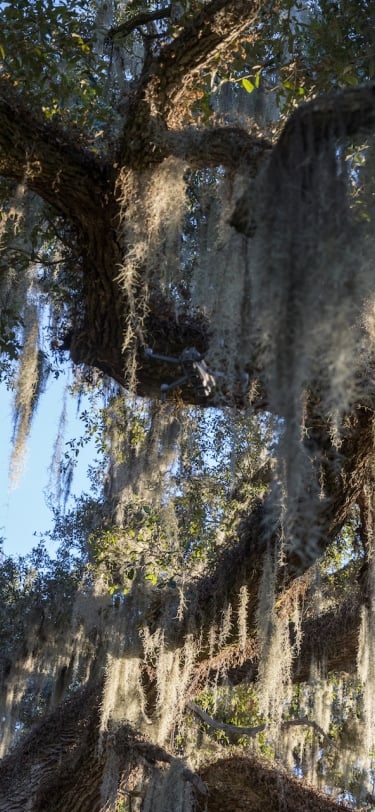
37 594
234 705
305 49
140 547
340 566
10 322
49 48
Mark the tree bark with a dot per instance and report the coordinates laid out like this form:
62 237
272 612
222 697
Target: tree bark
246 785
82 188
61 765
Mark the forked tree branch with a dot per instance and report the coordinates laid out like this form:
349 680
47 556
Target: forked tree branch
219 23
162 85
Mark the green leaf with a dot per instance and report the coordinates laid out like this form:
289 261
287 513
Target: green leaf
249 87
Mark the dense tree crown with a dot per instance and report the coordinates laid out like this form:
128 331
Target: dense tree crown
187 222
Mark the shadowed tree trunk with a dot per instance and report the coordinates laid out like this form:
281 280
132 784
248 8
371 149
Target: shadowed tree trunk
67 761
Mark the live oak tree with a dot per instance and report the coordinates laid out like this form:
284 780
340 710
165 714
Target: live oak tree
188 203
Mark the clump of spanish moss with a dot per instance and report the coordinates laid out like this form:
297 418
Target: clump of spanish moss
29 383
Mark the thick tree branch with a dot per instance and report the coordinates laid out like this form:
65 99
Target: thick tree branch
128 739
163 84
329 640
250 785
120 32
241 562
230 147
335 115
59 765
219 23
308 130
82 189
56 167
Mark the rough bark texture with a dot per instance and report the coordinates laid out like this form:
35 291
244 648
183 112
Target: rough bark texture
58 766
245 785
83 189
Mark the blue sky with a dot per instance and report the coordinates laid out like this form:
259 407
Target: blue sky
23 509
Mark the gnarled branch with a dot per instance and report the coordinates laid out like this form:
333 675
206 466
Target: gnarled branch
234 731
41 154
